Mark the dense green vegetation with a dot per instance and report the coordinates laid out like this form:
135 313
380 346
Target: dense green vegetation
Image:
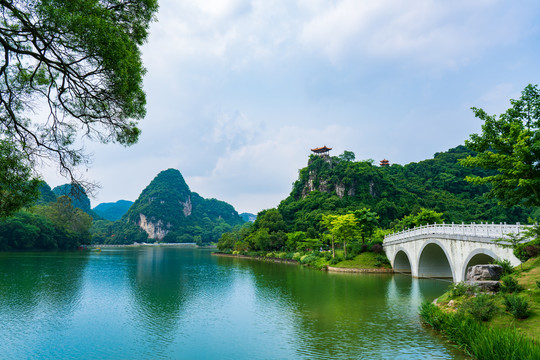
175 213
508 321
479 340
78 197
81 59
510 144
67 221
18 188
57 225
338 199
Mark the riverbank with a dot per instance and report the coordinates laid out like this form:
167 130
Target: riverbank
366 262
505 325
186 245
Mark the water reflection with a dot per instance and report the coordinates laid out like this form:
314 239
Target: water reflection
164 303
335 315
41 289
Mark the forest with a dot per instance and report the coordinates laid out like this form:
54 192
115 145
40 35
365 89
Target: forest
379 198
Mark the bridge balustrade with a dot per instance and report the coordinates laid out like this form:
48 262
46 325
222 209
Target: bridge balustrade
483 230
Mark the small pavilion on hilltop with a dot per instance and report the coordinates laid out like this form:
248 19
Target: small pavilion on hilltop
384 162
321 151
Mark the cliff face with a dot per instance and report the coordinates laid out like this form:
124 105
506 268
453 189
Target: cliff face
331 175
167 210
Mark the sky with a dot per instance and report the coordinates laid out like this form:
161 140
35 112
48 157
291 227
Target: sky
239 91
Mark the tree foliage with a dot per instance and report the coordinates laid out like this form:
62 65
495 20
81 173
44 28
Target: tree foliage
367 222
510 145
79 61
18 188
393 198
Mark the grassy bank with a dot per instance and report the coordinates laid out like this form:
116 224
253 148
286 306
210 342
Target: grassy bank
478 339
505 325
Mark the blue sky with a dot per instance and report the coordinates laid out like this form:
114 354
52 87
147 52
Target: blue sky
239 90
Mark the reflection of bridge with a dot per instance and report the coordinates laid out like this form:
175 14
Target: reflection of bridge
447 250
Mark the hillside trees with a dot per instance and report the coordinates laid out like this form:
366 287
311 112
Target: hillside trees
18 188
367 222
80 61
510 145
344 227
73 221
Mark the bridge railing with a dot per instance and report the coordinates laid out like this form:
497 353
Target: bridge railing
484 230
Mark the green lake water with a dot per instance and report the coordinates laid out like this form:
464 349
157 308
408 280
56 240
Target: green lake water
172 303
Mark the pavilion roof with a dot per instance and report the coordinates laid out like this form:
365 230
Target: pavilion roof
321 149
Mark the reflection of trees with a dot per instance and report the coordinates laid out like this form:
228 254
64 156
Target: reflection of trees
337 315
40 285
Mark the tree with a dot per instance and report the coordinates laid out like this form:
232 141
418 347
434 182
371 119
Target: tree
327 222
75 222
17 186
347 156
80 60
343 227
367 222
510 145
423 217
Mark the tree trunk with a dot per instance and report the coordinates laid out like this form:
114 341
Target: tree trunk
344 250
333 250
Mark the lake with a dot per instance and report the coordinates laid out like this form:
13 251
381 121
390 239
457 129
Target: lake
177 303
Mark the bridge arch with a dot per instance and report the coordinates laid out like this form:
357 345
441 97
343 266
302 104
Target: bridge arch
478 257
434 261
402 261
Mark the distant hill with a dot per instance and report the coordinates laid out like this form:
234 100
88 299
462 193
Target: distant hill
46 195
78 196
113 211
167 210
248 217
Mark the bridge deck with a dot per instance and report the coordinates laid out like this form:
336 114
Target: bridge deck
485 231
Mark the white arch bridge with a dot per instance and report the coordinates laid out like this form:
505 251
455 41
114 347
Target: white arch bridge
447 250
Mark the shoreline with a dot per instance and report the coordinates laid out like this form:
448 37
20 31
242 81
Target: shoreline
360 270
190 245
276 260
292 262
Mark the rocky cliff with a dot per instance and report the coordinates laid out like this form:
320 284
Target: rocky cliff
167 210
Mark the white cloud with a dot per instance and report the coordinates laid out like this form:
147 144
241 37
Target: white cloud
423 31
259 175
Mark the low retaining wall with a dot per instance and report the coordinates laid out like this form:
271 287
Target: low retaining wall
277 260
355 270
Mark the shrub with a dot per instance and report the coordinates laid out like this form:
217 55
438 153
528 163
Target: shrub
510 285
517 306
381 260
350 257
461 288
538 284
481 307
307 259
335 260
528 250
356 248
296 256
377 248
506 266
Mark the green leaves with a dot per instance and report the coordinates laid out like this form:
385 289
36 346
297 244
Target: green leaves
510 144
18 187
81 59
